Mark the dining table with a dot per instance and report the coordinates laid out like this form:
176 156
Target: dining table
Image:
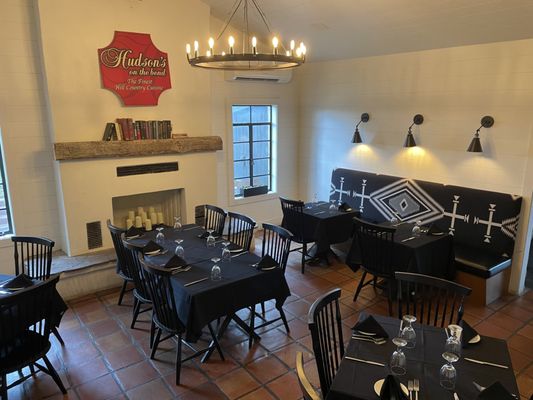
428 252
199 299
355 380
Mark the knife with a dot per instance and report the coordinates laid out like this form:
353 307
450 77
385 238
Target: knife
364 361
193 282
455 396
409 238
486 363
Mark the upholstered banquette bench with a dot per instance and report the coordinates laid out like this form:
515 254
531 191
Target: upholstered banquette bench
484 224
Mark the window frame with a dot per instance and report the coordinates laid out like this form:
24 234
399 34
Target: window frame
4 186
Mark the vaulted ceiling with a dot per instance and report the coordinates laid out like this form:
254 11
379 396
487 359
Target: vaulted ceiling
335 29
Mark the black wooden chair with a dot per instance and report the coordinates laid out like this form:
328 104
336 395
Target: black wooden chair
214 218
376 244
25 325
276 243
166 318
240 230
141 293
294 221
433 301
33 257
324 320
308 391
122 269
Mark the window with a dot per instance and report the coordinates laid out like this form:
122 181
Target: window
5 215
252 147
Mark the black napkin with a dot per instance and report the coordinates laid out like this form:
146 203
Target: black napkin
496 391
203 235
133 231
150 247
18 282
267 262
391 389
370 325
345 207
468 333
175 262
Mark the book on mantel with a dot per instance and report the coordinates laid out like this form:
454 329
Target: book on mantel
142 130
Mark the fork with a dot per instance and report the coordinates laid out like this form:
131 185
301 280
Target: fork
369 339
416 388
410 386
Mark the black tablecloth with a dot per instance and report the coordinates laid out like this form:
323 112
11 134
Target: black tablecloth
355 380
241 285
58 304
425 254
326 227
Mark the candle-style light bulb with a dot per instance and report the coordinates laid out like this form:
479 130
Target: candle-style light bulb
298 52
188 49
208 53
288 53
254 45
211 42
231 42
293 45
275 43
196 47
223 53
304 49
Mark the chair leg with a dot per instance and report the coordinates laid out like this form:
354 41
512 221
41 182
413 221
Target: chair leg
390 297
3 387
58 336
122 291
178 360
54 375
284 319
304 253
32 369
252 325
215 341
360 286
263 308
156 343
136 310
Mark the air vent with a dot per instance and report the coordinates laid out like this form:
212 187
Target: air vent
94 235
256 79
147 169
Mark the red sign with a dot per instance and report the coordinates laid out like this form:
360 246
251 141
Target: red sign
133 68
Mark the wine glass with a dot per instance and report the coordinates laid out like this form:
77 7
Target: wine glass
210 241
448 374
160 237
332 206
315 198
398 361
408 332
417 228
453 342
216 272
177 223
226 253
179 251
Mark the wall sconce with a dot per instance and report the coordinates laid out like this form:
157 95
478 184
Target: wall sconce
410 140
475 145
356 136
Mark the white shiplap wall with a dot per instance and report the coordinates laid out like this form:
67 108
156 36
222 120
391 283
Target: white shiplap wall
23 122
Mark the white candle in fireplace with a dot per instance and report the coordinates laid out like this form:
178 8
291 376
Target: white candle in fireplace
140 210
148 225
151 210
129 223
143 217
131 215
160 218
153 217
138 222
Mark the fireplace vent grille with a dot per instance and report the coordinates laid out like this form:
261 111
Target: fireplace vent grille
147 169
94 235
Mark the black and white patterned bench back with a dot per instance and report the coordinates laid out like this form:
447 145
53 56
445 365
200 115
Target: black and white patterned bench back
477 218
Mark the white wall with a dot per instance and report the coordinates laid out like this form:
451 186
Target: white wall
453 88
23 124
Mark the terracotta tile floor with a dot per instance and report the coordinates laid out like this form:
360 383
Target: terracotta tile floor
105 359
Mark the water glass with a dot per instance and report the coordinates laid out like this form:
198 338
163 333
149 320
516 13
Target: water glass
453 342
448 373
408 332
216 272
179 251
177 223
394 220
160 237
226 253
398 361
210 241
333 206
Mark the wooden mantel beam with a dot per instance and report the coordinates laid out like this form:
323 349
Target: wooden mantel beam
136 148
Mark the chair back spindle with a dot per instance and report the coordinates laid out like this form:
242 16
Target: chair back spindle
293 217
433 301
241 230
136 270
324 320
122 257
215 218
33 256
276 243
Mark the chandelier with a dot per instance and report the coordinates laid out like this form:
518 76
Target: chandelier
248 57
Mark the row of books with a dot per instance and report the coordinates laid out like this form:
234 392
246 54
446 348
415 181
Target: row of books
128 129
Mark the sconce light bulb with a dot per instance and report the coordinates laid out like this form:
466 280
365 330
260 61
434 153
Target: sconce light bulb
293 44
231 41
188 48
275 42
211 42
254 41
196 45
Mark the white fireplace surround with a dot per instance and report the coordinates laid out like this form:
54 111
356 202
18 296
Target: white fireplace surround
88 187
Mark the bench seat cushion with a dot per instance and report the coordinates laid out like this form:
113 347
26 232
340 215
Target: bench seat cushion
478 262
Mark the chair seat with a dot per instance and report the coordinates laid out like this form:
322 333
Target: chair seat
22 351
478 262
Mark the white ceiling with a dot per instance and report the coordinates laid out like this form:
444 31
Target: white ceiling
335 29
